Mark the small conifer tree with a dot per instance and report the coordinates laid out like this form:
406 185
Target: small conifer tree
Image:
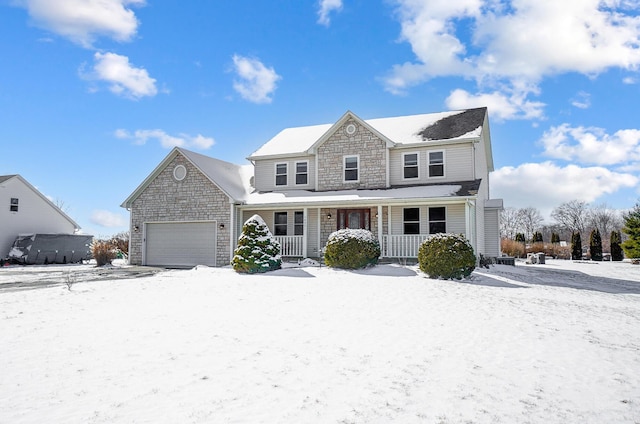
631 228
537 237
616 248
555 238
595 245
520 237
257 250
576 246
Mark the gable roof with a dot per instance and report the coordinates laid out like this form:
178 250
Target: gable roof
401 130
232 179
4 178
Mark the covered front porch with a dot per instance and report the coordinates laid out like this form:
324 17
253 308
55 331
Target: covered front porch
400 228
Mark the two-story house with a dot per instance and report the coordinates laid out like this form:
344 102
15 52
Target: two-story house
402 178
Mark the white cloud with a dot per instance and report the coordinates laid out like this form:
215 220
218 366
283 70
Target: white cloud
592 145
167 141
326 7
108 219
582 100
82 21
256 82
515 41
501 106
123 79
546 185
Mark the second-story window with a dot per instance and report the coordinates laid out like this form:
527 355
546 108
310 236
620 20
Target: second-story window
281 174
410 165
436 164
302 173
13 206
280 223
351 168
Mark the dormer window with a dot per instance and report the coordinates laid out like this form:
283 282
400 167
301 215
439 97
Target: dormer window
281 174
302 173
351 168
410 166
13 205
436 164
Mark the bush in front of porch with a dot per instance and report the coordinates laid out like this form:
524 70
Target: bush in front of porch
446 256
257 250
351 249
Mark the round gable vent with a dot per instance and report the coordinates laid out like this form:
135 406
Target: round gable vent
179 172
350 129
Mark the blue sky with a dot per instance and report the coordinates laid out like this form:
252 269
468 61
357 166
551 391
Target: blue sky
95 93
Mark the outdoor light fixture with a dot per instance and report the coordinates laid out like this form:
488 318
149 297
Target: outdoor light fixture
221 226
328 216
136 228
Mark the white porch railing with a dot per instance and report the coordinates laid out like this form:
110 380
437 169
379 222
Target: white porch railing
290 245
401 246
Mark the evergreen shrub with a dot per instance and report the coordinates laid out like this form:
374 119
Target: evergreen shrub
576 246
595 245
351 249
446 256
616 248
257 250
631 245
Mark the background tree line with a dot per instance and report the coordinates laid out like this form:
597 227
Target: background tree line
590 229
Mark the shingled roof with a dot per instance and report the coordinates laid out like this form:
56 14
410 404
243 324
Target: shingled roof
455 125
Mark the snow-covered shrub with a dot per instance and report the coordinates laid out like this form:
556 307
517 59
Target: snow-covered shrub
351 249
257 250
446 256
103 252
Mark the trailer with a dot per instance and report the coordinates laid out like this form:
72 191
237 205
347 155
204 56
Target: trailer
42 249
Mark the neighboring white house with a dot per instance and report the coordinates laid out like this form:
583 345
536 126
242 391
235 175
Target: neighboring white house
402 178
24 210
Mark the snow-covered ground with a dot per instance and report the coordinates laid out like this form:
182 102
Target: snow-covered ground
553 343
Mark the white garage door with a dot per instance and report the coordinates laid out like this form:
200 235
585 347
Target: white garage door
181 243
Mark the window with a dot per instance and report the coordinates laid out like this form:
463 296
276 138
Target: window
280 223
298 223
13 206
436 164
411 220
302 173
281 174
410 165
437 220
351 168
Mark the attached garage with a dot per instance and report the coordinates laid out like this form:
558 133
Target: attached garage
180 244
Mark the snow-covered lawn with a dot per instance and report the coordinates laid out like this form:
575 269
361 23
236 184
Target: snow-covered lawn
554 343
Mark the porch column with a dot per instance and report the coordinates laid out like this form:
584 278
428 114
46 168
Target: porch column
304 233
380 224
469 219
319 231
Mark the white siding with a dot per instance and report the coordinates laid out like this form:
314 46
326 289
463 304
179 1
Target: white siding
265 174
458 164
492 228
35 215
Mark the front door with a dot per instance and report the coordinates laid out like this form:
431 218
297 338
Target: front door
354 218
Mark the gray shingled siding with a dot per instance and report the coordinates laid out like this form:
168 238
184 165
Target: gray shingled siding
193 199
372 165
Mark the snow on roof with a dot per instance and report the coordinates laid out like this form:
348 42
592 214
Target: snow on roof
231 178
314 197
400 130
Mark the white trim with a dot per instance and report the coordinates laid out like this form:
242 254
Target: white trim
179 172
444 165
275 173
295 173
232 231
403 165
344 168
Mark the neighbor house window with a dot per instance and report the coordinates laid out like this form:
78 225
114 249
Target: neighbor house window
280 223
281 174
302 173
410 165
411 220
13 206
298 223
437 220
436 164
351 168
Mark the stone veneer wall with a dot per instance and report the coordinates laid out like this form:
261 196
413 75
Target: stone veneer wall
195 198
372 166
